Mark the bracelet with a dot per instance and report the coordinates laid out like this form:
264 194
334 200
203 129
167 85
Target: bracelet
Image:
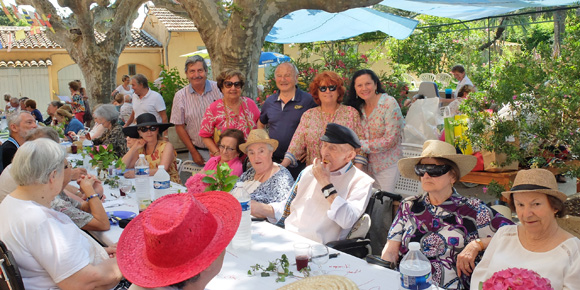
94 195
480 244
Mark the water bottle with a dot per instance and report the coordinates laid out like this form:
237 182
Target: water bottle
142 182
415 269
243 238
161 182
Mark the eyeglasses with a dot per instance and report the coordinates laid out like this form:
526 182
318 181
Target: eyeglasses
67 165
227 149
432 169
330 88
229 84
145 129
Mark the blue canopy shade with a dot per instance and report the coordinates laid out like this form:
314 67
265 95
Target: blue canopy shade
316 25
470 9
272 58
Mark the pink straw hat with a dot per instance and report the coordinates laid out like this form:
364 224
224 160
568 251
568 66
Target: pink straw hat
177 237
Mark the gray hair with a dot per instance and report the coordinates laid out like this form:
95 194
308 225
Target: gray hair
141 79
36 160
108 112
194 59
128 99
43 132
56 104
294 68
15 119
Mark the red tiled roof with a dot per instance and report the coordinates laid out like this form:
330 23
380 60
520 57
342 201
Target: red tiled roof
171 21
25 63
140 38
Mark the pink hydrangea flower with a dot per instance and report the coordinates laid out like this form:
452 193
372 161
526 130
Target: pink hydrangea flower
195 185
516 279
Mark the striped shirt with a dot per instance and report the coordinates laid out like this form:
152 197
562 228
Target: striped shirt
189 107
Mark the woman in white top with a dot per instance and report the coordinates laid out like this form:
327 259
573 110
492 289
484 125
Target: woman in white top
50 250
125 88
538 244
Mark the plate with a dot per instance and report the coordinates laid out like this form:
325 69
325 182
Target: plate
121 214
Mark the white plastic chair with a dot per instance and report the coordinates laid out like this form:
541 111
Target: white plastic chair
411 80
178 161
444 79
189 166
427 77
406 186
429 90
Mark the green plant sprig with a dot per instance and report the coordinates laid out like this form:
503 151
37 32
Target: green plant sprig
220 179
280 266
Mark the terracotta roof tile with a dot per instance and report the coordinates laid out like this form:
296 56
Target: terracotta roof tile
140 39
26 63
171 21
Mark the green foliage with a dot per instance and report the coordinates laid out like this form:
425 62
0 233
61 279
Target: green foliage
5 22
104 156
220 179
494 189
170 84
280 267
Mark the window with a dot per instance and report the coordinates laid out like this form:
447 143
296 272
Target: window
132 70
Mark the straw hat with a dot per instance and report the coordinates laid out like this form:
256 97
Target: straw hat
536 180
64 113
437 149
177 237
145 119
324 282
258 136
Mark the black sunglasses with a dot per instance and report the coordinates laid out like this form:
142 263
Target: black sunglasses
229 84
330 88
145 129
432 169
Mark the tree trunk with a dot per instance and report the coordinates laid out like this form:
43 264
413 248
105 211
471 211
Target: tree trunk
559 29
234 34
77 34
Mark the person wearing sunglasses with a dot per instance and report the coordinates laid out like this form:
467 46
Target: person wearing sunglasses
150 142
327 90
453 230
230 152
231 112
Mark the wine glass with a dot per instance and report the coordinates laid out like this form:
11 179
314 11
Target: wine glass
319 255
125 186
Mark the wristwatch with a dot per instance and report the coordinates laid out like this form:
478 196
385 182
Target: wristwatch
328 190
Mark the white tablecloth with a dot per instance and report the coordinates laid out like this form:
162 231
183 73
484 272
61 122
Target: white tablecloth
269 242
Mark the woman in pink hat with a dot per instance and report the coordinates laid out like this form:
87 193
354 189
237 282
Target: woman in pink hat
182 250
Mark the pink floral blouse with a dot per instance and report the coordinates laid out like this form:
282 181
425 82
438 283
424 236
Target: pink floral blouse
311 128
383 131
219 117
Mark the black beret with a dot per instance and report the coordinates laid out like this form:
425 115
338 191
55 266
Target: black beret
338 134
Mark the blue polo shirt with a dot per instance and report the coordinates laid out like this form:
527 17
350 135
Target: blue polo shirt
283 122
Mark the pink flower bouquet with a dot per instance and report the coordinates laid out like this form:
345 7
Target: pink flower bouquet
516 279
195 184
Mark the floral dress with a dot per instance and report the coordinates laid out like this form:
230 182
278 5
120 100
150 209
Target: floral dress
115 137
276 189
444 231
313 125
218 117
383 134
155 159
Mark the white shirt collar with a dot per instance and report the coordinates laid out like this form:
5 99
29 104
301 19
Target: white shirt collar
342 170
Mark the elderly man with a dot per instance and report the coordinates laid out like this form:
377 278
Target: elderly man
126 108
329 195
19 125
14 106
189 106
283 110
458 72
146 100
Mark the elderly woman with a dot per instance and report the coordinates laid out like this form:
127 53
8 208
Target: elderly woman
383 123
45 258
124 88
451 229
77 104
108 117
71 124
327 90
231 112
150 142
266 181
229 146
538 243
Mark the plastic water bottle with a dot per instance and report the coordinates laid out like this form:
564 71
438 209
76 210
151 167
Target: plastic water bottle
142 182
415 269
161 182
243 238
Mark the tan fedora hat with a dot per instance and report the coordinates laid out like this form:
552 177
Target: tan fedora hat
323 282
437 149
258 136
537 180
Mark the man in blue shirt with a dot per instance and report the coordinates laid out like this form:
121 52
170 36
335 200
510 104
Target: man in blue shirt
282 111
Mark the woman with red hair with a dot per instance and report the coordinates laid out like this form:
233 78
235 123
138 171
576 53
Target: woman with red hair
327 90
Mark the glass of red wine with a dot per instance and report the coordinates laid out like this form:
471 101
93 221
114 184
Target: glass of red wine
125 186
302 254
